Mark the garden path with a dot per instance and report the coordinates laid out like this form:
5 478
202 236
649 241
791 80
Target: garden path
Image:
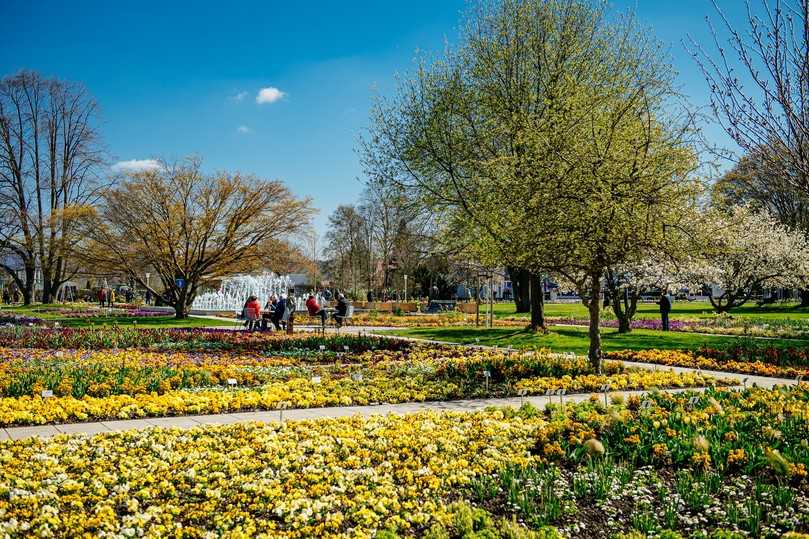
469 405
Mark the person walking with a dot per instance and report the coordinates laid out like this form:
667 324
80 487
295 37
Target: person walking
102 297
111 298
665 309
148 297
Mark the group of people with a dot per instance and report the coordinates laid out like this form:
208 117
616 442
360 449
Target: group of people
106 297
11 295
280 312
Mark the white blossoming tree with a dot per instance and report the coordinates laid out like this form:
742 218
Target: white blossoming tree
747 252
625 283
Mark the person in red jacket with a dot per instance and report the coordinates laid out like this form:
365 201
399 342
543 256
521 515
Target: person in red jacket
314 309
252 312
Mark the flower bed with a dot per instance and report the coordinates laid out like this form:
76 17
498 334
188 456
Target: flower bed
11 319
38 387
183 339
732 461
757 350
697 360
719 325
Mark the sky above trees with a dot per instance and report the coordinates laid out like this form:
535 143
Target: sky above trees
280 90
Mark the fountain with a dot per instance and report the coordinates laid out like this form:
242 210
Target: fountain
235 290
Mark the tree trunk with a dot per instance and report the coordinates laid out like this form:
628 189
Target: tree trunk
537 301
804 298
594 332
46 290
28 289
180 310
624 305
520 286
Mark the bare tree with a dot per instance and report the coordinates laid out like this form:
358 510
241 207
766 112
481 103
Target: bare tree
759 82
50 156
189 228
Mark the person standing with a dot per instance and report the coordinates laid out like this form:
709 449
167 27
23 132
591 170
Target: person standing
665 309
252 312
148 297
102 297
111 298
288 318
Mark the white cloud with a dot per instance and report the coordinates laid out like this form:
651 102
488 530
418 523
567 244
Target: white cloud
244 129
239 96
136 165
269 95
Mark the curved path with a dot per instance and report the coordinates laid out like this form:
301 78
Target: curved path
90 428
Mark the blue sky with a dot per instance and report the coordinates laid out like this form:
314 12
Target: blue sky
181 78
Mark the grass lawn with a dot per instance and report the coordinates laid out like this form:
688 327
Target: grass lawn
167 321
684 309
566 338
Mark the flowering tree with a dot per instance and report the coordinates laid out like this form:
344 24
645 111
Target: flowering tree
625 283
749 251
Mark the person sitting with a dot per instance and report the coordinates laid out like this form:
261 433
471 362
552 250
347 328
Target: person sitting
342 310
315 310
252 312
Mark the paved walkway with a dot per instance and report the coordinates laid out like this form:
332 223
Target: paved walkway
18 433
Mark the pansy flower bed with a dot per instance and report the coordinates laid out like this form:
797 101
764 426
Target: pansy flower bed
699 360
40 386
197 339
728 464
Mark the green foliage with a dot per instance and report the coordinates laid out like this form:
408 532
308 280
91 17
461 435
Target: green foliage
468 522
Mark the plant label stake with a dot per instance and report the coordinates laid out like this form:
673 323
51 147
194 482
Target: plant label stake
345 348
357 377
561 394
693 401
315 379
744 382
522 393
799 378
47 393
322 348
231 381
487 375
645 404
550 392
605 389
